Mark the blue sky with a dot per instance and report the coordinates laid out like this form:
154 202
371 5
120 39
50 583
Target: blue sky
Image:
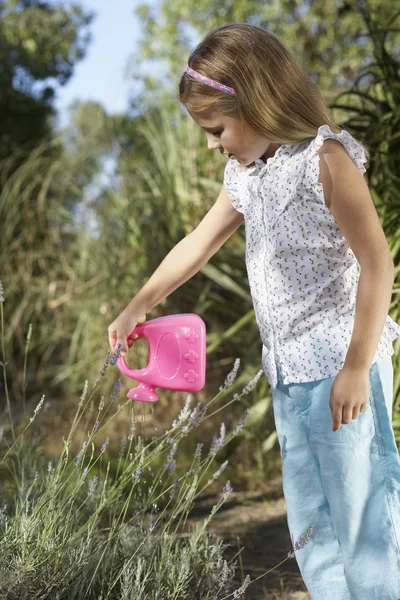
101 74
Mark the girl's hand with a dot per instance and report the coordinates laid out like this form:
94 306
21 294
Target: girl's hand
122 327
349 395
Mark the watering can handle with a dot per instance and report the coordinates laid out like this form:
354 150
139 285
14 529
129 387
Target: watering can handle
122 364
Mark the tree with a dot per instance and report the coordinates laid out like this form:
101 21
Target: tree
329 39
40 42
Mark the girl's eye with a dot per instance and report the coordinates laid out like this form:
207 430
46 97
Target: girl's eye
217 132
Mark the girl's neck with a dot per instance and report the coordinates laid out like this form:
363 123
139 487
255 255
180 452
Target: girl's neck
270 152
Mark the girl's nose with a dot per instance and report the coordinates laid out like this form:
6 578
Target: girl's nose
212 142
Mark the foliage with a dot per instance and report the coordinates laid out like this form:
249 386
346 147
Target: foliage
72 529
327 38
40 42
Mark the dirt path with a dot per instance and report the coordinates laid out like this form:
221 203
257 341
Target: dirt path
257 522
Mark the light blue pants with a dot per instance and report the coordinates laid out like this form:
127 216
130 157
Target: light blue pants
346 483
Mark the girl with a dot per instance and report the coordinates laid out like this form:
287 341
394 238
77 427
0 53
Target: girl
321 276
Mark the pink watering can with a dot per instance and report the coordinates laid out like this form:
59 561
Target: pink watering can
177 358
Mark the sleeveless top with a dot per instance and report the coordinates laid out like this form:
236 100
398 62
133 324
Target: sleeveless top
303 275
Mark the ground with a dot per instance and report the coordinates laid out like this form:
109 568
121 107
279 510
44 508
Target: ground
257 523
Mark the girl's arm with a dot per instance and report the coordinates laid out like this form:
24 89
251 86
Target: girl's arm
349 200
182 262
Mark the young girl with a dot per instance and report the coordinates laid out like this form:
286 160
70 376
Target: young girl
321 277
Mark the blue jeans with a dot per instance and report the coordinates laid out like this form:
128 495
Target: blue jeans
346 483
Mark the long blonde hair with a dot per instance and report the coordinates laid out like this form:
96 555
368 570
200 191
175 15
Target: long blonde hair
275 98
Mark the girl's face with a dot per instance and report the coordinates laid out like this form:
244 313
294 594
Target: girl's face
228 136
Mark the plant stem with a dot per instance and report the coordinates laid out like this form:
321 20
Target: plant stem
5 371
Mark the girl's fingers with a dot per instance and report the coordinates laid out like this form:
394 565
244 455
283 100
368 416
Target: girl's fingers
347 414
336 415
131 340
112 339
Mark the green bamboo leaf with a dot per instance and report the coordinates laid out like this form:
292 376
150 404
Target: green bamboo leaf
269 443
258 411
224 280
232 331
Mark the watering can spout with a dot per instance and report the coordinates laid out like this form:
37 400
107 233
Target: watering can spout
177 357
143 393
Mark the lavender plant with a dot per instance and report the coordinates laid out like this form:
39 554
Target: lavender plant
71 530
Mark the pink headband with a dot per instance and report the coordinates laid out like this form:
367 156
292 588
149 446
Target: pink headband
208 81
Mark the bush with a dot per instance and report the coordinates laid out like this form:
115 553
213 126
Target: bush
70 529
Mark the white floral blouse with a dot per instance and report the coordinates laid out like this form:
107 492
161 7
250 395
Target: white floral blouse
302 273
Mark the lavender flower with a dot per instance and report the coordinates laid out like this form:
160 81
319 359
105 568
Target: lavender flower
136 475
79 456
183 415
1 292
92 485
197 458
239 592
218 472
37 409
227 490
174 489
105 445
231 376
117 387
114 356
241 423
302 541
105 366
96 425
193 487
197 453
252 384
198 414
170 463
84 392
122 446
217 443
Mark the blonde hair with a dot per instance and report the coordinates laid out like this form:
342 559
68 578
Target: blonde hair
275 98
